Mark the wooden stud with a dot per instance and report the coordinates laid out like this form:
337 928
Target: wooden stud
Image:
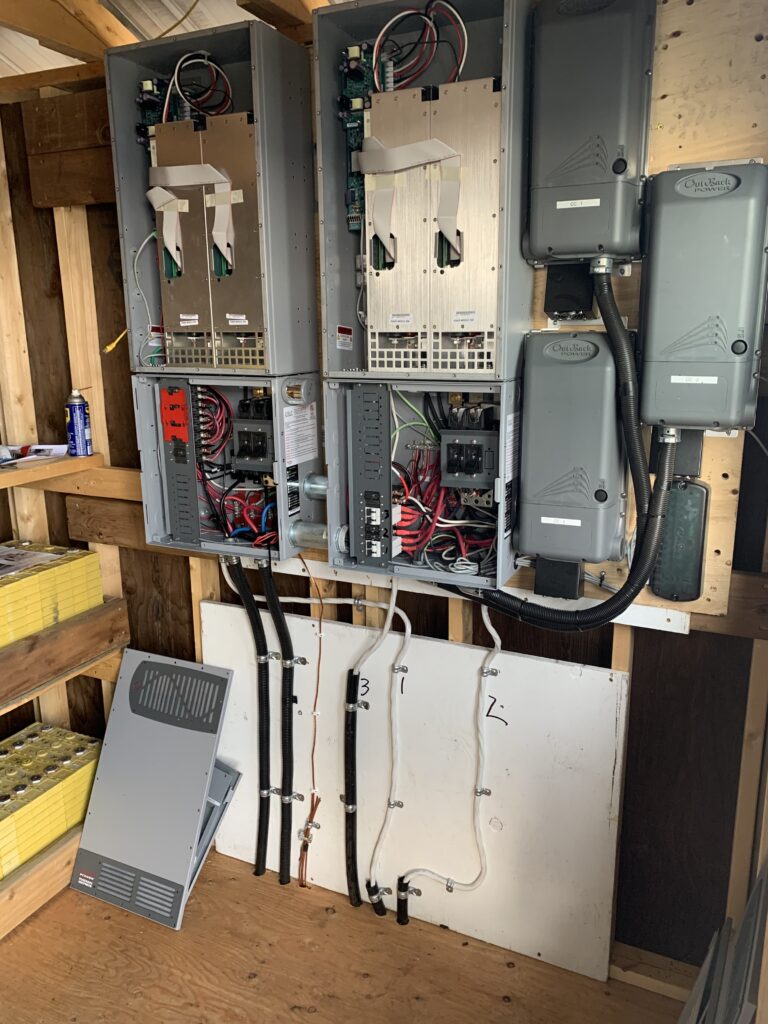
107 482
651 972
460 621
15 88
282 13
326 588
205 585
16 395
358 614
99 21
80 315
622 648
375 617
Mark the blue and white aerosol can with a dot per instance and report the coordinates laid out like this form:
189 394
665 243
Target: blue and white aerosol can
78 419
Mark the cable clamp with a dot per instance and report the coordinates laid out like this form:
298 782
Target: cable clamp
348 808
377 897
449 885
292 662
392 804
274 656
265 792
401 670
311 824
484 791
359 705
291 798
485 672
274 791
359 604
264 659
403 894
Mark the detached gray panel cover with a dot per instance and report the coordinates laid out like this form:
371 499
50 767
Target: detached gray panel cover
572 501
591 98
704 287
157 786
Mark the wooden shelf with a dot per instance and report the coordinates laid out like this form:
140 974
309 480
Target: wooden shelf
46 469
31 886
78 646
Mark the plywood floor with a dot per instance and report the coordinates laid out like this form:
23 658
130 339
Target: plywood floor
252 952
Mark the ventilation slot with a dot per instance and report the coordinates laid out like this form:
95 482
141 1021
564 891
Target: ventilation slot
115 882
155 897
191 700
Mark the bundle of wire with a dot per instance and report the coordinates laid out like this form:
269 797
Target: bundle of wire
240 510
410 62
434 524
211 98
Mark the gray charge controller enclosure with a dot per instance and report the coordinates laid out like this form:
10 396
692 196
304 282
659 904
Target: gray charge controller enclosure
572 473
592 62
704 292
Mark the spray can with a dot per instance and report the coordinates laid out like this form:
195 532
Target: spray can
78 420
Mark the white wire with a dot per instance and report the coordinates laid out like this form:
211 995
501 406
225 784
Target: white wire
195 57
367 655
394 755
462 25
150 333
450 883
393 21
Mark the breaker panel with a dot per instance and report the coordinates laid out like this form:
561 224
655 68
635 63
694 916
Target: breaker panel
213 158
423 478
229 465
421 156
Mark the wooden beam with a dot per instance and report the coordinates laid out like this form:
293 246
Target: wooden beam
106 482
18 407
60 652
460 620
52 26
15 88
99 21
34 883
747 609
45 471
282 13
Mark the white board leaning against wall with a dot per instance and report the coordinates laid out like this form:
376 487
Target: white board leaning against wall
554 756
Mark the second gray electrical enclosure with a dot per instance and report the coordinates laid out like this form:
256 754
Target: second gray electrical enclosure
591 95
704 295
572 491
260 316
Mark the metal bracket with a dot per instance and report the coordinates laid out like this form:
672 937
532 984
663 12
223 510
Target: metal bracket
392 804
348 808
449 884
379 896
292 662
485 672
357 706
291 798
401 670
482 792
412 891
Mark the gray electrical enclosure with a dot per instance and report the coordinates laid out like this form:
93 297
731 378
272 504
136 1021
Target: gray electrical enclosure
274 449
572 487
704 294
230 280
447 291
380 449
591 95
159 793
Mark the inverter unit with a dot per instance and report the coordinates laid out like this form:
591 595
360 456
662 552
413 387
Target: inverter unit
160 791
572 490
704 294
591 89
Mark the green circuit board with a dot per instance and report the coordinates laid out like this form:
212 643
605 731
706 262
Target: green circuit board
357 86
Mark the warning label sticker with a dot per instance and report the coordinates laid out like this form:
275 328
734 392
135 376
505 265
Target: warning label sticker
301 438
344 338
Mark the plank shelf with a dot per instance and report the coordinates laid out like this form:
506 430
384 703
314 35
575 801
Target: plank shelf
37 472
82 645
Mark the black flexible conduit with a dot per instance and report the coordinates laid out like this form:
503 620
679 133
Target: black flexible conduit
286 724
628 392
376 898
651 506
262 659
350 787
402 901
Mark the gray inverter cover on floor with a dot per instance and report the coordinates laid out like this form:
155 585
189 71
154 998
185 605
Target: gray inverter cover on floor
159 793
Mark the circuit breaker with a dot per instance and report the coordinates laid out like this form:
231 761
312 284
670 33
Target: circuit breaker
422 478
572 471
212 146
228 463
591 94
421 165
704 296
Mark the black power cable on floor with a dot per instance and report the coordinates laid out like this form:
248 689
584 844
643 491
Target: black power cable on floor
262 660
286 723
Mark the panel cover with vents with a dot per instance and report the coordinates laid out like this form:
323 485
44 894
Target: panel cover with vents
159 793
